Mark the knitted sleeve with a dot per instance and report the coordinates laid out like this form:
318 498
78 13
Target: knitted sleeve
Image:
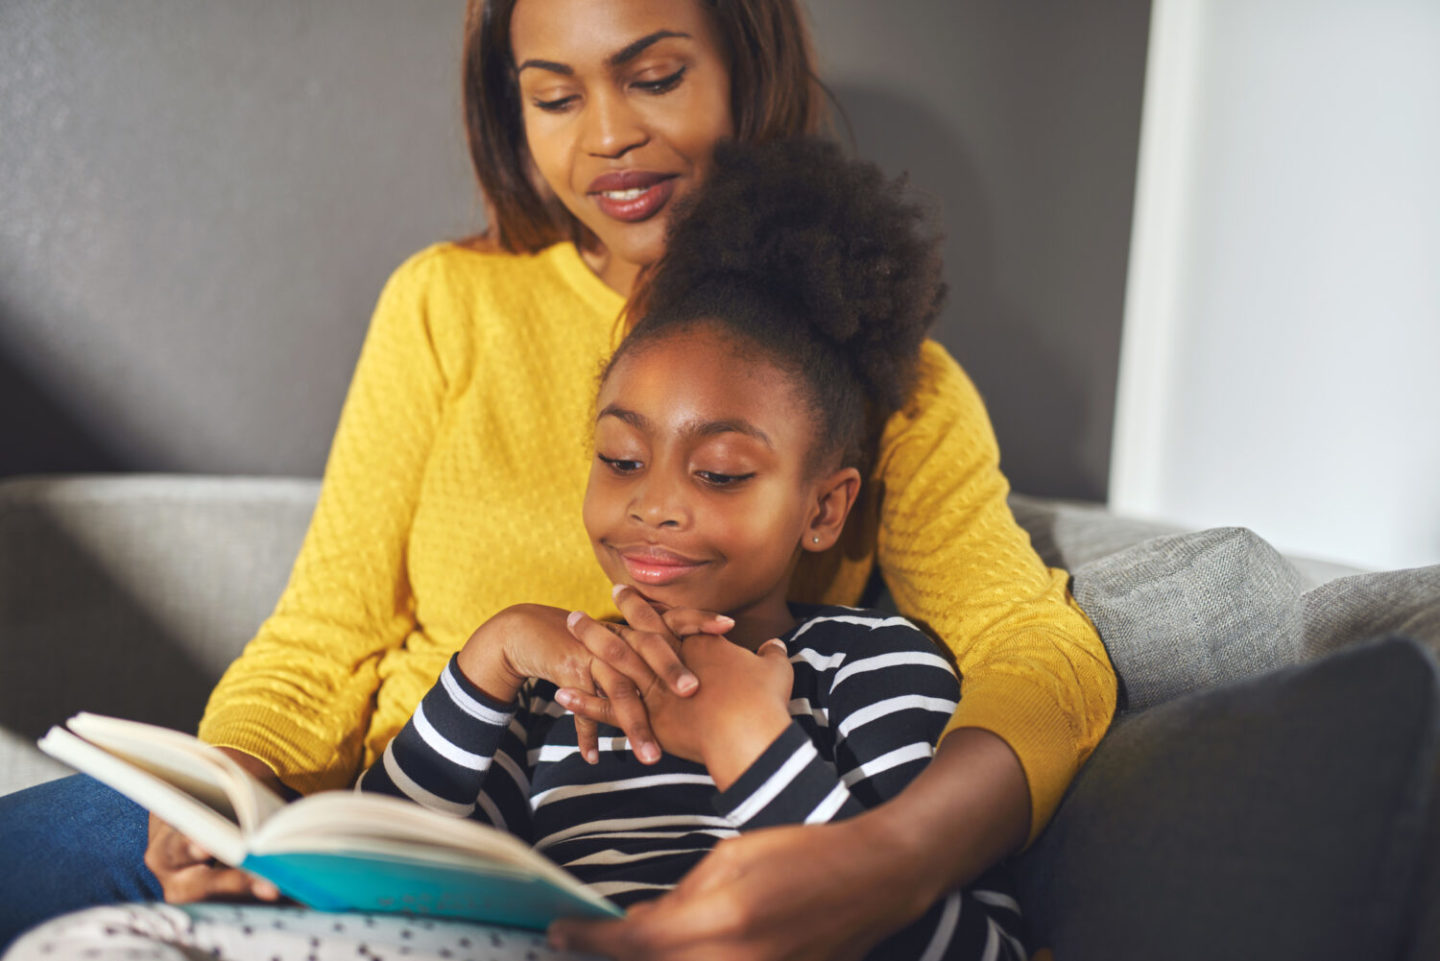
1032 668
300 694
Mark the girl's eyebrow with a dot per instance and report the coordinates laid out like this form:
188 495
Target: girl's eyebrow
623 56
707 428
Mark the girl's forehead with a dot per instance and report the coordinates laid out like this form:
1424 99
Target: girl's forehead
702 375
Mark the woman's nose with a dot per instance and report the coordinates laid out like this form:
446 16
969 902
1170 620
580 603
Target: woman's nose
612 127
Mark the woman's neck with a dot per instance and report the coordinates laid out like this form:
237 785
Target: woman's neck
618 274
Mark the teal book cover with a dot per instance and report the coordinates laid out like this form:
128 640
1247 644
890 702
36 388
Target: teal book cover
331 881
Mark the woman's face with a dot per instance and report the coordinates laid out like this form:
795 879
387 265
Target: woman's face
623 103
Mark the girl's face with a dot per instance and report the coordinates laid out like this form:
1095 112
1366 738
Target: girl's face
700 493
623 102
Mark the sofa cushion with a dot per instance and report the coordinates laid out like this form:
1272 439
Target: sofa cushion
1281 817
1389 602
1188 611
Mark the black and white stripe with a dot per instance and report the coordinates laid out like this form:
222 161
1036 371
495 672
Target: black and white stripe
870 698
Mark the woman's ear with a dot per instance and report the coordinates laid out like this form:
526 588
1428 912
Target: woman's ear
835 494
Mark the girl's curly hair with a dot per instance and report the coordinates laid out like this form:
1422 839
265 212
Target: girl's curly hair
818 261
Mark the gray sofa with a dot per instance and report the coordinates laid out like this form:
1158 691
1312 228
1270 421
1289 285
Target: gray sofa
1268 790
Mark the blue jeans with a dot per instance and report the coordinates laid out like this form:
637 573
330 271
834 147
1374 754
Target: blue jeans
66 845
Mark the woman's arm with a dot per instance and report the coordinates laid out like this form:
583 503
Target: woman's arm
300 694
1032 667
832 891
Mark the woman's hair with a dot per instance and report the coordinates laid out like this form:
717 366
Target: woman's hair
774 93
816 262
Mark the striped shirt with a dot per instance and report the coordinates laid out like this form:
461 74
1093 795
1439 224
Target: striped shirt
871 695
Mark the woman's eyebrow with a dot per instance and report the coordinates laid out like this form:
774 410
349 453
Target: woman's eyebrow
631 51
619 58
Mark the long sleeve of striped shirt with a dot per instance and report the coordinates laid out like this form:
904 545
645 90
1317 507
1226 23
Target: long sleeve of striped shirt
461 753
871 696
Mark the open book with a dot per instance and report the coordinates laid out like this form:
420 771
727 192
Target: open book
334 850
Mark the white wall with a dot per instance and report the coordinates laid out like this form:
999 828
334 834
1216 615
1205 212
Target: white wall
1281 358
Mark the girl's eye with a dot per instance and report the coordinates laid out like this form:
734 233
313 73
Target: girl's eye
620 465
663 85
722 480
557 105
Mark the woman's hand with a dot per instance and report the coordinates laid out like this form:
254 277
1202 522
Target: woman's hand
187 872
797 893
807 893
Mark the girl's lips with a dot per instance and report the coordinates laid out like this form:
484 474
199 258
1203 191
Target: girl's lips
657 568
632 196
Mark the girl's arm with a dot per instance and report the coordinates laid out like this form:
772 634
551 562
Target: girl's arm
459 755
882 708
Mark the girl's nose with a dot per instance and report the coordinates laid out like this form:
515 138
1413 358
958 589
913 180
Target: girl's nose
660 503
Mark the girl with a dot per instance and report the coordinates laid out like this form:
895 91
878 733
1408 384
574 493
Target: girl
445 498
733 427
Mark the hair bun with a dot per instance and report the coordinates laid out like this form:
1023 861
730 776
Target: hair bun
831 241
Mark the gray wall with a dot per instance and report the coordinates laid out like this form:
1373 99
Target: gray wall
199 202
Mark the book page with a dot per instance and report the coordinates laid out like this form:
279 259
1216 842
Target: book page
200 770
191 816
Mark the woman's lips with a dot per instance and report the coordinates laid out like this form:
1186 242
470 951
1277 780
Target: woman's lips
657 567
631 195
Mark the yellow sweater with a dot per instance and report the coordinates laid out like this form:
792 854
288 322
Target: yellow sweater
454 489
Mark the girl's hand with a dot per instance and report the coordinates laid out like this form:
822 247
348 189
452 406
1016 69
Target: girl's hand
739 706
532 640
186 871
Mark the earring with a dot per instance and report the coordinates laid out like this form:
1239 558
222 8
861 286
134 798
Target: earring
815 540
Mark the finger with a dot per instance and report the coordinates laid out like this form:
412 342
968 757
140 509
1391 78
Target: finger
606 643
685 621
589 706
661 654
629 712
587 732
649 634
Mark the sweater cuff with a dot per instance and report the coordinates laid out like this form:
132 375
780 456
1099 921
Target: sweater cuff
1029 718
789 783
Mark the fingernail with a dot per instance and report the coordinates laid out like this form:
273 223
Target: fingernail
592 756
649 753
687 683
724 621
573 618
197 852
557 939
265 890
565 697
615 590
775 642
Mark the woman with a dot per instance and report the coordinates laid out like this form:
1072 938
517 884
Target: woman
587 122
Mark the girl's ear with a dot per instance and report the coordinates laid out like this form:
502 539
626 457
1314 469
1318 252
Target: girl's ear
835 494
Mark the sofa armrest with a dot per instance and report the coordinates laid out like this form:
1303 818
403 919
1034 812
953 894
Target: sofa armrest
129 595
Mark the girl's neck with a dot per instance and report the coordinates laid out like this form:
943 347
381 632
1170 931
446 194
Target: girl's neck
759 624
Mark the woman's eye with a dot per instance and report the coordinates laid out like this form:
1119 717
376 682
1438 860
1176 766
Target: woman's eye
620 465
663 85
715 479
558 105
